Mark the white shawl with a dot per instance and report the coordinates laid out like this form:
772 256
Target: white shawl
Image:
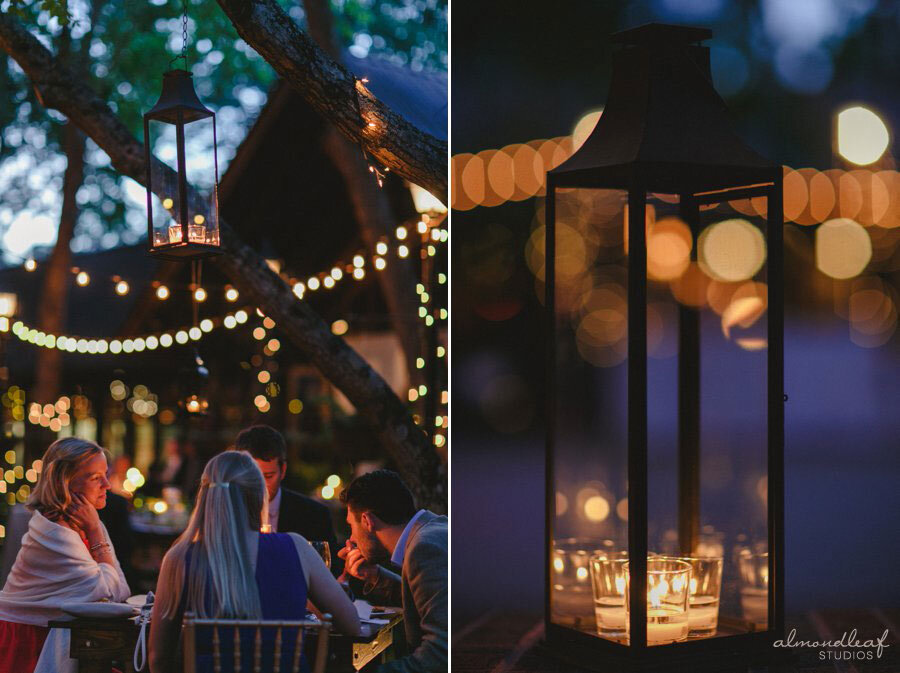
54 568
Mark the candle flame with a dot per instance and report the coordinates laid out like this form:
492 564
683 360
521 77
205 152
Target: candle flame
655 594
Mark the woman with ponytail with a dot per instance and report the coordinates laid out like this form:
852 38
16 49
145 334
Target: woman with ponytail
222 567
66 557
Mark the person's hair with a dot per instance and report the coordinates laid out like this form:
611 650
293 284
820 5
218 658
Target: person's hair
62 460
262 442
221 583
383 493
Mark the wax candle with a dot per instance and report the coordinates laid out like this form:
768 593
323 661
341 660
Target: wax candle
666 625
755 606
704 613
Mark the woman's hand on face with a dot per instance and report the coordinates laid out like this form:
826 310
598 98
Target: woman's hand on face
83 514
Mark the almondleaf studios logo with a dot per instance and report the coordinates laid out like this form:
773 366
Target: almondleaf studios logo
848 647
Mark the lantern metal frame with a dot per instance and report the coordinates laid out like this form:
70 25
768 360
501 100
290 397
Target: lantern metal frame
179 105
664 130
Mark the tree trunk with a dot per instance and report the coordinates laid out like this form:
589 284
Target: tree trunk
338 96
59 88
372 209
55 293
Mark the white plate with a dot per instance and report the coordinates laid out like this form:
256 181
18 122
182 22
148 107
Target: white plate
100 609
137 600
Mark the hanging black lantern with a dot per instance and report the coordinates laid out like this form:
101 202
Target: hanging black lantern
626 435
180 148
193 383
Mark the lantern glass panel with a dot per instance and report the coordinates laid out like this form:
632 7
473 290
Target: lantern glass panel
707 408
590 430
165 203
200 168
732 251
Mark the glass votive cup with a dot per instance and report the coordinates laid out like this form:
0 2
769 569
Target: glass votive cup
571 596
196 233
265 528
705 592
754 570
608 583
668 588
175 233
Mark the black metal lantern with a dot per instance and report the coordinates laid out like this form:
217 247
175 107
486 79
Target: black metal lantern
180 147
644 256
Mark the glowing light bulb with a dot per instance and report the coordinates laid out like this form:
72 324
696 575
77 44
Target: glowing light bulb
30 264
200 294
122 288
401 233
82 278
162 292
231 294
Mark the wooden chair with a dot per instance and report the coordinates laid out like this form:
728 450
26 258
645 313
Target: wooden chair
234 627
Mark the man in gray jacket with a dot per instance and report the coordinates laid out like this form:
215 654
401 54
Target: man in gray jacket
386 527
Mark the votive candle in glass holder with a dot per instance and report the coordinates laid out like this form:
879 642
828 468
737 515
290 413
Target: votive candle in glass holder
196 233
571 597
755 588
608 583
265 528
705 591
668 588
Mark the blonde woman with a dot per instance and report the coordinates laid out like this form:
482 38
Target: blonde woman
221 566
66 557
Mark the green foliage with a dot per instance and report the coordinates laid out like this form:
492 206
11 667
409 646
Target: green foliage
58 9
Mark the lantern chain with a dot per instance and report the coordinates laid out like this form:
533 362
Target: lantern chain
184 32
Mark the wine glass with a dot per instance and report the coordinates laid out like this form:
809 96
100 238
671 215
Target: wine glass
323 549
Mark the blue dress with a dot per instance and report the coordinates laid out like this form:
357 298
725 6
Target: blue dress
282 595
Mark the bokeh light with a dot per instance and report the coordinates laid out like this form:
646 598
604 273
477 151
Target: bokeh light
843 248
862 136
731 250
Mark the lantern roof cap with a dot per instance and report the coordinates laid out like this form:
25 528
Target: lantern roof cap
178 98
664 127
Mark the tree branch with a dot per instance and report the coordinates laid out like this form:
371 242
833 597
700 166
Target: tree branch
338 96
59 88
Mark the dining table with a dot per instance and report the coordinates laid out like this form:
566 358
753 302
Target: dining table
99 643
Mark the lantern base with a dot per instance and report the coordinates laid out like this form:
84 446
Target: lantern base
708 655
181 252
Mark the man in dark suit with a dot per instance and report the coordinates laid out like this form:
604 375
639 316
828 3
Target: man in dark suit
386 526
289 512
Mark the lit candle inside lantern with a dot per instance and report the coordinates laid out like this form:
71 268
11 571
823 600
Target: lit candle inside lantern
608 579
705 587
196 233
665 624
174 233
668 587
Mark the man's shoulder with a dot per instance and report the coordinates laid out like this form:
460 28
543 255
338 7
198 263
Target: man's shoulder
431 532
298 500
